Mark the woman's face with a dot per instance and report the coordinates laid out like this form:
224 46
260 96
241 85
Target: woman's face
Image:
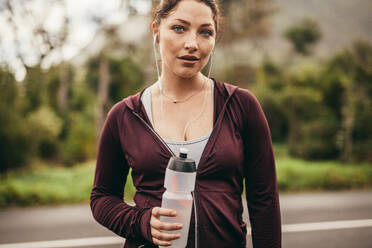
187 37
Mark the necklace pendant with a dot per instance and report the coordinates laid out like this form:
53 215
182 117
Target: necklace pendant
174 101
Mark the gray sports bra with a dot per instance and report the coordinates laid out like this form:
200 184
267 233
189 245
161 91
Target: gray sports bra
195 147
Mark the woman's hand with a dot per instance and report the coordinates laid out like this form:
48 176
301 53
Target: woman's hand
159 237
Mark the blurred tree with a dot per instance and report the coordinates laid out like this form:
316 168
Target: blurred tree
59 81
113 43
351 72
57 107
15 140
45 126
45 43
33 87
270 83
327 107
127 78
114 46
313 126
303 36
122 77
76 140
65 76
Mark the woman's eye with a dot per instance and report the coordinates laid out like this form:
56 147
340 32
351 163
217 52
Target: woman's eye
207 32
178 28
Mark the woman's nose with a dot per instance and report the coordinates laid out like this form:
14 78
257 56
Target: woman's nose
191 42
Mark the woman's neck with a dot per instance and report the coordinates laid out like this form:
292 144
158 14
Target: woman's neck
179 87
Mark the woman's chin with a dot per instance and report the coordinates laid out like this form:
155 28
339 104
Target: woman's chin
187 73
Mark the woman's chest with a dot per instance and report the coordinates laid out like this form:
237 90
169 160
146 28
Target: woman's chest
183 121
148 155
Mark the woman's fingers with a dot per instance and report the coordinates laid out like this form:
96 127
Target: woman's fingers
160 242
159 237
157 212
164 236
159 225
156 223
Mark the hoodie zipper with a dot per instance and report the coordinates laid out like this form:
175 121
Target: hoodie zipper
172 153
154 132
157 135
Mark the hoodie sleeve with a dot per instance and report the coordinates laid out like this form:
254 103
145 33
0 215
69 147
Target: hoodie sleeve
106 200
260 176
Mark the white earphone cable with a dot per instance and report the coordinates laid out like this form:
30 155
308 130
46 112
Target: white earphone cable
188 123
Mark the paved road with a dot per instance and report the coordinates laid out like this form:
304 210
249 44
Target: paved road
331 219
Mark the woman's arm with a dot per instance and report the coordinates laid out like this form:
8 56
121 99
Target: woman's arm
260 176
107 203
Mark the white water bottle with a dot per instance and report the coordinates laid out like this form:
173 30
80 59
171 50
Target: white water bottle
179 182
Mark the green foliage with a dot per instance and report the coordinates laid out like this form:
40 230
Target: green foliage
303 35
275 116
126 77
46 126
323 110
15 145
316 139
269 83
34 88
41 119
80 142
52 88
350 74
78 134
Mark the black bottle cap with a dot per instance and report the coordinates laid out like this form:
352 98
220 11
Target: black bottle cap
182 163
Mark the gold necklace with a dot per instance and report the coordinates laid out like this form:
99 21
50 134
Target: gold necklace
193 119
174 100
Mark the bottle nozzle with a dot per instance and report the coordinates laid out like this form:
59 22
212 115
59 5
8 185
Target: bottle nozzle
183 152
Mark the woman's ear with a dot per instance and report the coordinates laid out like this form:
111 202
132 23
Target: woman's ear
155 32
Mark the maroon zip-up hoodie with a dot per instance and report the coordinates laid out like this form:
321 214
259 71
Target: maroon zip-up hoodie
238 149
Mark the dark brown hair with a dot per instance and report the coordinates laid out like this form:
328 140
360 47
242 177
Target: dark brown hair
165 7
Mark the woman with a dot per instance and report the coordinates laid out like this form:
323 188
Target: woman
222 125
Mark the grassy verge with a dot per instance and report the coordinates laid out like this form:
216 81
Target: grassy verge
45 185
300 175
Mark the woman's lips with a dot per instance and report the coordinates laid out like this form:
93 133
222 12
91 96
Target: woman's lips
189 61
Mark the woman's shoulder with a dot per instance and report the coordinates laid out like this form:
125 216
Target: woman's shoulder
130 102
244 96
244 103
120 107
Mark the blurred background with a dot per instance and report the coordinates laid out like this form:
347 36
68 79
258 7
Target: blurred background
64 63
